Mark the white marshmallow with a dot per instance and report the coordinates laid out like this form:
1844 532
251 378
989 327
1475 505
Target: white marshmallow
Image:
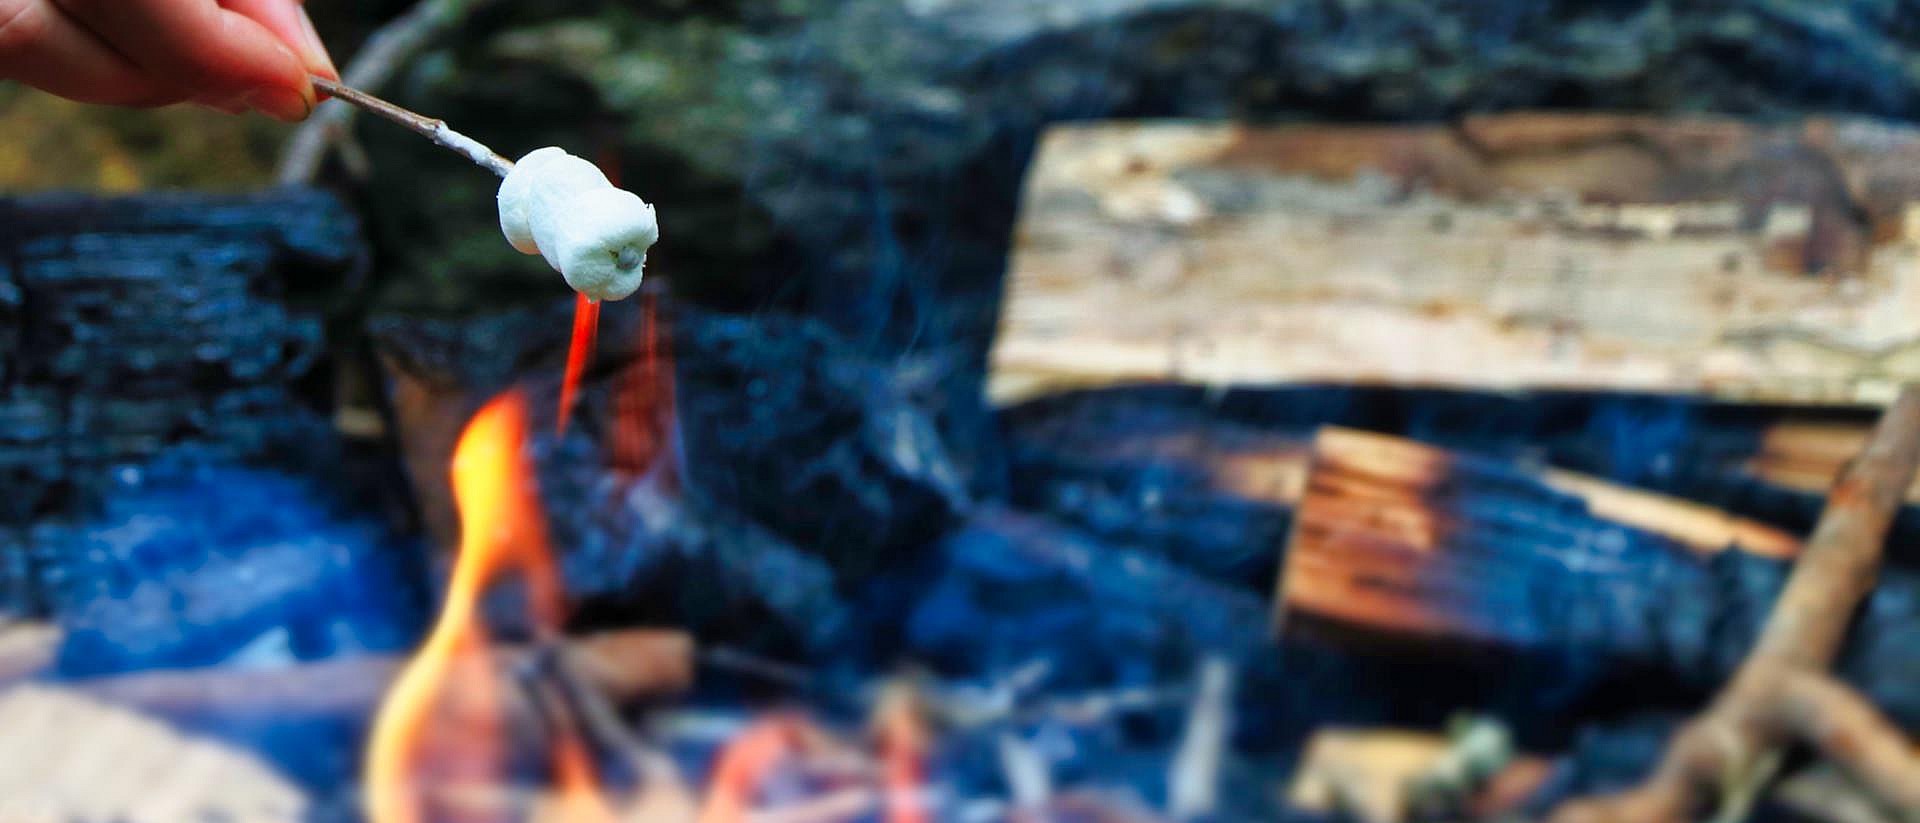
562 208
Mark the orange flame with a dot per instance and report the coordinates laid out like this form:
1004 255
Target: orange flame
751 757
903 755
643 400
501 529
745 761
580 798
586 327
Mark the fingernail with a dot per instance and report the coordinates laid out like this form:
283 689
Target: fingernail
316 55
281 104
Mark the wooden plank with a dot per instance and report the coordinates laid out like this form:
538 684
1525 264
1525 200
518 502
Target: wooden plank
1629 253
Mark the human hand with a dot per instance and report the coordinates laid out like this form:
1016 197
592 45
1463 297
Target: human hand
232 55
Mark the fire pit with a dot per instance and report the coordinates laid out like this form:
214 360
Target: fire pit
1381 465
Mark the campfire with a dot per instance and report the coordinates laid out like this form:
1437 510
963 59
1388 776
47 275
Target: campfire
971 454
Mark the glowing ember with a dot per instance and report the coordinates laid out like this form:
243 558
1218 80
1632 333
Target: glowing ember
744 762
501 529
578 786
904 741
586 326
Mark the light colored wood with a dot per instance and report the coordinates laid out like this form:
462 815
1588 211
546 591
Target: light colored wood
67 757
1753 263
1808 455
26 649
1370 775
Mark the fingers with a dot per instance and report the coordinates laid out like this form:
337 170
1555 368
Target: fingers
196 45
288 21
42 47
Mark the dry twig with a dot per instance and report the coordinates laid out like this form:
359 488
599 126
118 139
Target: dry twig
376 63
431 128
1193 779
624 665
1783 693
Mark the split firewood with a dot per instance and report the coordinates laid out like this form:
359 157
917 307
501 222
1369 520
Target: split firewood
1783 695
1405 539
1809 455
1580 251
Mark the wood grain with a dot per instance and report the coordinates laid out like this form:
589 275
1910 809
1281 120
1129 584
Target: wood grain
1627 253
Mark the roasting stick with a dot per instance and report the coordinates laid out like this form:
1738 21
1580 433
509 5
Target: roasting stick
431 128
552 204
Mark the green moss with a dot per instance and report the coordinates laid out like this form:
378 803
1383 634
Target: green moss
50 143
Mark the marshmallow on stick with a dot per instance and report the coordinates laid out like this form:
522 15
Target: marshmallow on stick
562 208
552 204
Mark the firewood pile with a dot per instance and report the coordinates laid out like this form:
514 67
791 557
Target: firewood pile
1538 468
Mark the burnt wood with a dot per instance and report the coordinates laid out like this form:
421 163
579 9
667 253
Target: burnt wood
1450 550
132 325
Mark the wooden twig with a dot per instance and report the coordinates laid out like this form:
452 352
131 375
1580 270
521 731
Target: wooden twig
1783 694
1028 775
1193 779
572 696
624 665
431 128
376 63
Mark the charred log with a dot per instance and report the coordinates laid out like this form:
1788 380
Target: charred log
1403 543
132 326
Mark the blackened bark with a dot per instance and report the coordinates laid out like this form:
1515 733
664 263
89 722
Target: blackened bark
132 325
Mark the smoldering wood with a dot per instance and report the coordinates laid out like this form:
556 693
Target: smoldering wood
133 325
767 461
1405 546
1396 535
1767 263
1212 479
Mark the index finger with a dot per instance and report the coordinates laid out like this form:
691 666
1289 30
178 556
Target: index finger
42 47
203 47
